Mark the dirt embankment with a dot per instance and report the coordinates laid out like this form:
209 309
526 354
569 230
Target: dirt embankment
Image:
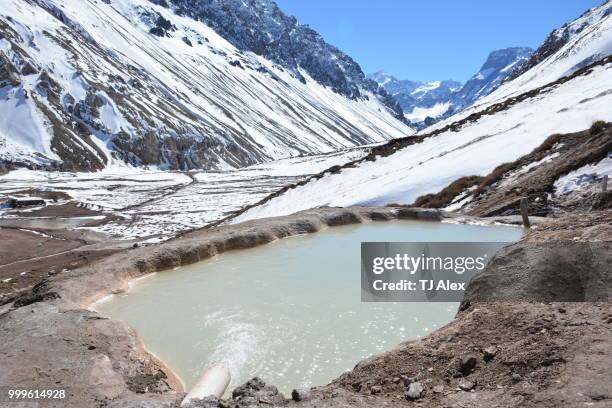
533 176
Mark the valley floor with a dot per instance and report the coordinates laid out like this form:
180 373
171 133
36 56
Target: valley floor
92 215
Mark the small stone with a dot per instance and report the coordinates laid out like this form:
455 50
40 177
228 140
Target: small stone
396 380
430 369
562 310
466 385
467 365
407 380
300 395
28 69
516 377
438 389
414 391
489 353
376 389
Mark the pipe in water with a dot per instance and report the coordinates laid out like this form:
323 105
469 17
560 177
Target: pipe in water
213 382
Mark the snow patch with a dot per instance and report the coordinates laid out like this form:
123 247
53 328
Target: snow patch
584 176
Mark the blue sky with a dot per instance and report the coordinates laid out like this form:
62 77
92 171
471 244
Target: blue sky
435 39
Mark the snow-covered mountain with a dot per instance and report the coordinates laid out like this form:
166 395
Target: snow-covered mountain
552 97
587 39
176 84
261 27
403 171
424 103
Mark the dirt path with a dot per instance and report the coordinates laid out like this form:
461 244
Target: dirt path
173 190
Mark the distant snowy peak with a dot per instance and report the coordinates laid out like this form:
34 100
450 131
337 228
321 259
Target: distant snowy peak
382 77
419 100
497 67
424 103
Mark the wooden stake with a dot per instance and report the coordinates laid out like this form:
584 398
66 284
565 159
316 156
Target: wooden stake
525 213
604 184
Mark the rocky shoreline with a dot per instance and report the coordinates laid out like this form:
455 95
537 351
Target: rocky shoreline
49 339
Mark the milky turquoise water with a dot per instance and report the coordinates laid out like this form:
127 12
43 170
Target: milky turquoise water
288 312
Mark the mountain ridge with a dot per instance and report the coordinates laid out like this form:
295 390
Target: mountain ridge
425 103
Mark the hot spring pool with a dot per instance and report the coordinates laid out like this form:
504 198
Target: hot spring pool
288 312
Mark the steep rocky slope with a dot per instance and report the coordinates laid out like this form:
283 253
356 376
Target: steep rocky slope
497 67
565 173
261 27
85 84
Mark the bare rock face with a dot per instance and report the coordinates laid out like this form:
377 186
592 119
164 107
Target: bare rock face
8 71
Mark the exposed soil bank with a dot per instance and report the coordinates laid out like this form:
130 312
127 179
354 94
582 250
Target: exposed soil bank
560 358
